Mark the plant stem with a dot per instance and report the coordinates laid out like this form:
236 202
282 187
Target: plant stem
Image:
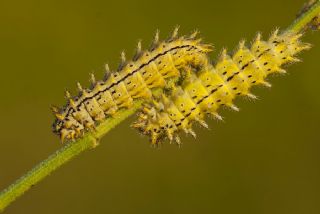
73 149
62 156
300 23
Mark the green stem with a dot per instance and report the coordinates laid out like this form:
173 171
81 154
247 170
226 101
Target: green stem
62 156
300 23
73 149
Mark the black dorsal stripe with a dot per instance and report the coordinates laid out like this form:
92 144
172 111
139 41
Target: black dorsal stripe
193 109
71 110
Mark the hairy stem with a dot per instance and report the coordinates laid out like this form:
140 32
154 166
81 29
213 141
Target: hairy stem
73 149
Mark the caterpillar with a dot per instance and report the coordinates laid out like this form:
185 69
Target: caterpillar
134 79
205 90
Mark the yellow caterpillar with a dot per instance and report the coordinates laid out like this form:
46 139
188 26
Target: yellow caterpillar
133 80
205 90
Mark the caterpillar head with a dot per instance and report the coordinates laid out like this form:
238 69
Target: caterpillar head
157 124
66 126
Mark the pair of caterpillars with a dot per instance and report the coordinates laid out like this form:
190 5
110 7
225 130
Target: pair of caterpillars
199 88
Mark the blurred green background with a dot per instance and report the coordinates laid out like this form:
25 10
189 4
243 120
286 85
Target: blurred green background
264 159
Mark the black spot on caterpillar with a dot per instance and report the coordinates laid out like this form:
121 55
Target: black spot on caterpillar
203 92
134 79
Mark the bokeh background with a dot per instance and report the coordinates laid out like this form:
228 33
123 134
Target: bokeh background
264 159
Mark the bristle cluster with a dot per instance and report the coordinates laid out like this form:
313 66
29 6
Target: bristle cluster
134 79
208 88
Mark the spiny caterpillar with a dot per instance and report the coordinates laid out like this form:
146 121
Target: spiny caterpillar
134 79
203 92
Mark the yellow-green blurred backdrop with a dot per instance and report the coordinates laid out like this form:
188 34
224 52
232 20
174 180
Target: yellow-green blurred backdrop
264 159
